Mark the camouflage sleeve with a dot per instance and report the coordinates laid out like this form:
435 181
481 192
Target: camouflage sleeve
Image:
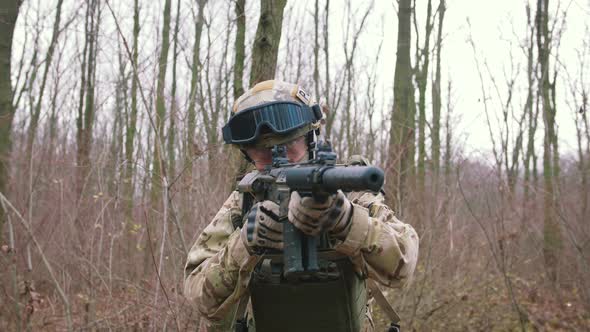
218 267
382 246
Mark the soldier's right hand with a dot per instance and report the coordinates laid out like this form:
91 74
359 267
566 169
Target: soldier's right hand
262 228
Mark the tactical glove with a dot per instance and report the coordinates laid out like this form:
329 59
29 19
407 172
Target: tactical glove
312 217
262 228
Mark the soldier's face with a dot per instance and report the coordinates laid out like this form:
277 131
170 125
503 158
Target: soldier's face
296 150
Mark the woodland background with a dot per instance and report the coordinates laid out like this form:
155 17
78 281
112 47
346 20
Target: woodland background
111 160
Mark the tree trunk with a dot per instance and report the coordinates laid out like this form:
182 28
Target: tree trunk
195 70
53 115
422 82
436 96
264 57
34 121
316 50
85 121
552 239
130 131
8 16
172 128
585 169
266 42
119 111
158 164
448 165
529 155
238 165
240 48
330 115
579 121
402 121
85 124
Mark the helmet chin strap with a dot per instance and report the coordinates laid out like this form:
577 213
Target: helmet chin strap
311 143
248 159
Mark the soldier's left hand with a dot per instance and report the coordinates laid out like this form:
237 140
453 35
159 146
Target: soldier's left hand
312 217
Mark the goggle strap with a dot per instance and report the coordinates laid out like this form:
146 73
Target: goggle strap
317 112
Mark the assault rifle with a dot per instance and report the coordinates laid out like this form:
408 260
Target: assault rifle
319 177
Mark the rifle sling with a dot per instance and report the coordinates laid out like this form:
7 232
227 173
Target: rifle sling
247 202
382 301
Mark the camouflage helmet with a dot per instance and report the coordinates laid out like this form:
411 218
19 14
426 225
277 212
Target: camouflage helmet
270 113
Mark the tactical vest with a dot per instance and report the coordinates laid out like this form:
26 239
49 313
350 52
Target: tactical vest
333 299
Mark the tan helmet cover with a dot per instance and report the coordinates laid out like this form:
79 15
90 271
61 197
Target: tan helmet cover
273 91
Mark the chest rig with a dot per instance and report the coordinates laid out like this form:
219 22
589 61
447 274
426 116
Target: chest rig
328 295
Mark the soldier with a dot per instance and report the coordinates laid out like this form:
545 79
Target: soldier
227 265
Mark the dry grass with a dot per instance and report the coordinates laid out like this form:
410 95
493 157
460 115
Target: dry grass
481 259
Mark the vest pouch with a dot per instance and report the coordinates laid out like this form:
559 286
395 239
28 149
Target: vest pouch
333 304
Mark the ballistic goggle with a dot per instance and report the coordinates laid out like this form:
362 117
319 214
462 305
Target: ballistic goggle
281 118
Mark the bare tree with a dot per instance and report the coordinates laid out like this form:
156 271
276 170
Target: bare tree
436 94
316 49
86 106
195 69
173 104
8 16
421 77
266 42
238 165
530 156
131 130
329 108
210 90
85 127
264 57
447 161
579 92
370 106
34 121
53 117
552 241
240 48
159 176
401 161
349 55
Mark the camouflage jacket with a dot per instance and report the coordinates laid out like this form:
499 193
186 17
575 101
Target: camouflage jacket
218 267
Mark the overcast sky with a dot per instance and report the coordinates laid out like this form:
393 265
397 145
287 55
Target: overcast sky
498 29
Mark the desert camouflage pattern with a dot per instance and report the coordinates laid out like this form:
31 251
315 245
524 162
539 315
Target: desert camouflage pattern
358 160
272 91
218 267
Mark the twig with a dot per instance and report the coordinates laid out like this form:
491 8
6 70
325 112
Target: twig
521 315
11 250
158 136
158 272
60 291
